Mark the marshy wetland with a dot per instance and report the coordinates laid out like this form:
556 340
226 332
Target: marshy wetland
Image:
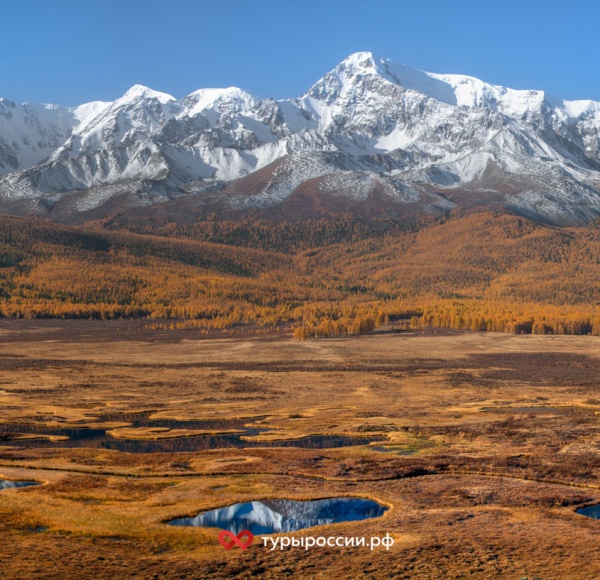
481 446
140 433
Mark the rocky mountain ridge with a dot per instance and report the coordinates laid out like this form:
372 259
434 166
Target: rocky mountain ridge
367 131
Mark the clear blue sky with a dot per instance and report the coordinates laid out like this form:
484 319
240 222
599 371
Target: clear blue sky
69 52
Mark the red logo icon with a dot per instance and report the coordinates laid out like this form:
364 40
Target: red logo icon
228 540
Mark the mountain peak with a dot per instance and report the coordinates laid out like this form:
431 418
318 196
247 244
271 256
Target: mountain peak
451 89
137 92
231 98
364 62
365 59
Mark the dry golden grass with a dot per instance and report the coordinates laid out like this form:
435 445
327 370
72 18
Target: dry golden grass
472 492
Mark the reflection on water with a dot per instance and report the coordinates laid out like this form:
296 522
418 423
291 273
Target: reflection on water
98 439
592 511
284 515
6 484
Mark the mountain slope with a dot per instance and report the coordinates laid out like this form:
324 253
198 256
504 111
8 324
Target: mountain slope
423 142
480 271
30 133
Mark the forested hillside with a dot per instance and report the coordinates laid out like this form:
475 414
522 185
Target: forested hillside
482 271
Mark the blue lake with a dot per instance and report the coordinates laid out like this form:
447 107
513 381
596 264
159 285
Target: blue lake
7 484
592 511
272 516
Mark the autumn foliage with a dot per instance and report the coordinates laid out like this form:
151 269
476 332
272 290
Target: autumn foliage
482 272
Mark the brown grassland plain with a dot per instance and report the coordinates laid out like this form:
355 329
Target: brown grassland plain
475 489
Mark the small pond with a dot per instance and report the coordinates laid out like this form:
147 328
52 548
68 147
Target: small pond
7 484
592 511
98 438
398 449
541 410
284 515
565 410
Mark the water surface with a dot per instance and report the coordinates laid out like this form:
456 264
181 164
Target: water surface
284 515
399 449
90 437
533 410
592 511
7 484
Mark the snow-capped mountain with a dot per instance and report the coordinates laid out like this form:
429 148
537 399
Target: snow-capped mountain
420 140
30 133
